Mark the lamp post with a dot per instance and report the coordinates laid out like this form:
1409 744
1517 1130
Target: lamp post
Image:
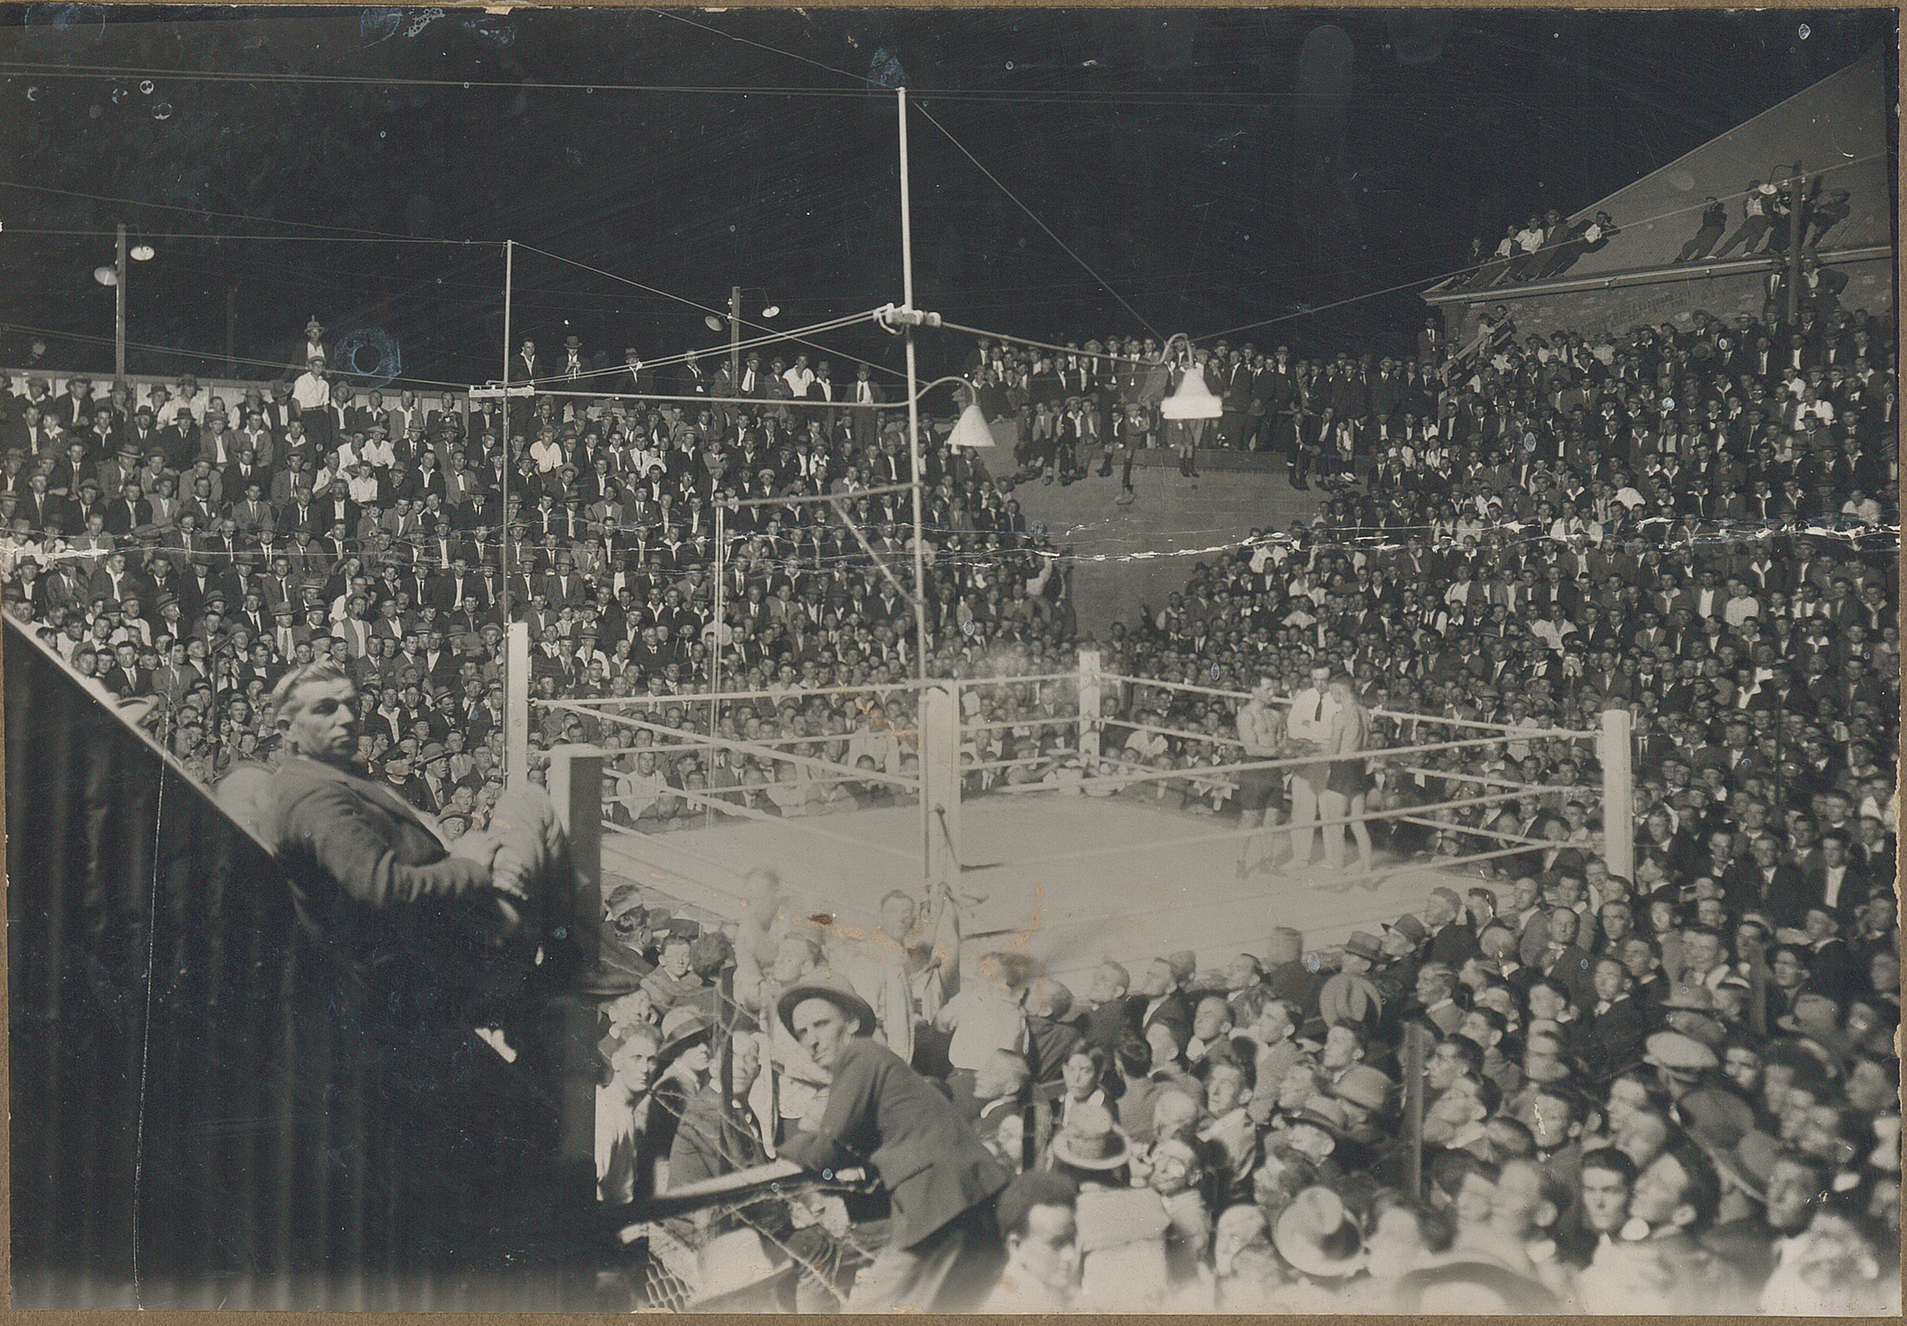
734 323
115 277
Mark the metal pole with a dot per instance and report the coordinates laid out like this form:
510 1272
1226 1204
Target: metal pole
913 456
1797 183
715 656
119 306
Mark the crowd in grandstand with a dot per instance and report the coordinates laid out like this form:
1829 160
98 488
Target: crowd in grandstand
1674 1088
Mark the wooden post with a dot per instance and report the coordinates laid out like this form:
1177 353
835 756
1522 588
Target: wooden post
576 789
1797 199
1089 690
939 731
1413 1067
516 704
1615 751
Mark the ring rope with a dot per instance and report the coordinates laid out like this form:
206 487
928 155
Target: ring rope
1232 835
1511 733
714 801
750 748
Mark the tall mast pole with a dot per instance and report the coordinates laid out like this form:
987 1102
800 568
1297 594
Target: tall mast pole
913 399
913 454
512 685
509 265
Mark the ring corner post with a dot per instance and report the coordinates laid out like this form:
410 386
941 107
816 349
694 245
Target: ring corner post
516 691
940 781
1089 703
1615 752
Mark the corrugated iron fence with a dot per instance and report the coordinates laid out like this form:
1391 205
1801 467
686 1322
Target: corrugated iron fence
197 1119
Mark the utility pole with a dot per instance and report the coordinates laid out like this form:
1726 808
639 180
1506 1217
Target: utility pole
735 340
231 330
1797 185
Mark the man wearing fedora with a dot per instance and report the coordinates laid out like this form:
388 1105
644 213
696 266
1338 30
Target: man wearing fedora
943 1250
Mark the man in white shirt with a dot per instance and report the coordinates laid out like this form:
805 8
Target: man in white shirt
362 485
799 378
1308 728
312 390
188 402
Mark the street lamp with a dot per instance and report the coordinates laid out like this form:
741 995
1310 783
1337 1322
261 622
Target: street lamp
971 430
115 277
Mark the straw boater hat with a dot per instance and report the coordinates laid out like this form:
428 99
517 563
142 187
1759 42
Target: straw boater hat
836 990
1090 1141
1679 1054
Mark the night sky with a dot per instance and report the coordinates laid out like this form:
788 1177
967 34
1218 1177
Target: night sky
1217 168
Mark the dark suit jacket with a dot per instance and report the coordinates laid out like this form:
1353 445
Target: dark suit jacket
1784 896
1175 1010
1108 1025
1834 970
1854 886
1575 969
374 850
711 1142
883 1113
1611 1041
1453 945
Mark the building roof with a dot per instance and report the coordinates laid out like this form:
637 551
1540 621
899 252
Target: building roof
1835 130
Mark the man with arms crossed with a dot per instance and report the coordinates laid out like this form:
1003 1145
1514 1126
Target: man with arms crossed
1261 730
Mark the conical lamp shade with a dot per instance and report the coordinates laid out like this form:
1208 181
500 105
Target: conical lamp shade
972 430
1193 399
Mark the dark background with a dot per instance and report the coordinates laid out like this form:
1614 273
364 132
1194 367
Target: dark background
1215 167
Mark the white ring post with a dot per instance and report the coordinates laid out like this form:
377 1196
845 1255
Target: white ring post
940 781
1089 704
1615 753
516 705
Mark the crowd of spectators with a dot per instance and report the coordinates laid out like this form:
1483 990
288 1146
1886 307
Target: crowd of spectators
1630 1102
1678 1088
1679 1084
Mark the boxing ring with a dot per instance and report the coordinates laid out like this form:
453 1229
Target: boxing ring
1055 849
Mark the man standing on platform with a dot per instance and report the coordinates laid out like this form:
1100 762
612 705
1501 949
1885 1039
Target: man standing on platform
1309 728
